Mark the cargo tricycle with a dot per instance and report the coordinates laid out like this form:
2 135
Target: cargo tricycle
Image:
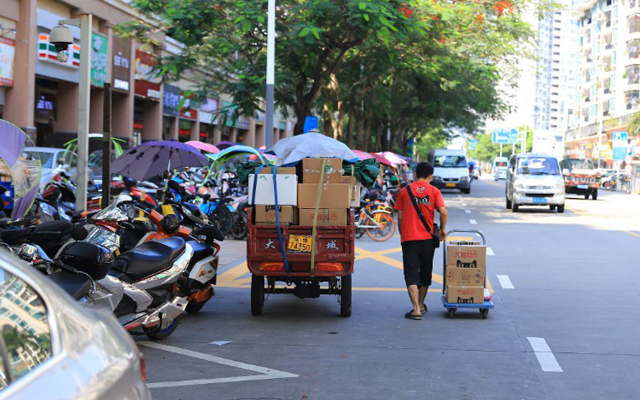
298 270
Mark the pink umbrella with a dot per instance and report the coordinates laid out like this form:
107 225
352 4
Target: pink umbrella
208 147
382 160
393 158
363 155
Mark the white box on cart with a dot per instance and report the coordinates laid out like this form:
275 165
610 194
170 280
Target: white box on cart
265 195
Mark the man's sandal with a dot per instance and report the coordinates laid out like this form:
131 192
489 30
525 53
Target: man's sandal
410 315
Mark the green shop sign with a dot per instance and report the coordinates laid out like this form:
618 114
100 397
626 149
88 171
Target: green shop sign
98 59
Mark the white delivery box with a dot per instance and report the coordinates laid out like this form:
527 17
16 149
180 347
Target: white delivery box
265 196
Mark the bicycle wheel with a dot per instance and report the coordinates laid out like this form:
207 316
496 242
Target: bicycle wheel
385 231
223 219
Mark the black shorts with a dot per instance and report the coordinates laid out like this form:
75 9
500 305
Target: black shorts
417 257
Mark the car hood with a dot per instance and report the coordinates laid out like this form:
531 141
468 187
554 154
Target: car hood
538 180
588 172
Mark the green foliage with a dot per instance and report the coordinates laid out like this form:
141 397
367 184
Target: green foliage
413 65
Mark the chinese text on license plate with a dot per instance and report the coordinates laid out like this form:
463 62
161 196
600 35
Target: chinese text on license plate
451 185
299 243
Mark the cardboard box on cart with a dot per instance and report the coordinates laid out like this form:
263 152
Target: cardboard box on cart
265 194
355 189
466 256
326 216
465 294
311 168
465 276
334 195
267 215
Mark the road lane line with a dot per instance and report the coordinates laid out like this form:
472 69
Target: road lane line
490 252
463 204
467 211
505 282
632 233
543 353
473 222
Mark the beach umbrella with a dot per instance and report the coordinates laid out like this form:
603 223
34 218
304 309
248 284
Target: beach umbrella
363 154
153 158
312 144
207 147
382 159
393 158
225 145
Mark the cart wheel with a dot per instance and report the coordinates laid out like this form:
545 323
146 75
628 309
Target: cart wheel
484 312
452 311
257 294
345 296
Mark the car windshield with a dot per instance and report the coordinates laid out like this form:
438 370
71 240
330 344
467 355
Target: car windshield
537 166
46 159
577 164
450 162
501 164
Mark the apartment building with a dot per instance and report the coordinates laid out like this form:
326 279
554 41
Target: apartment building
39 93
556 67
608 94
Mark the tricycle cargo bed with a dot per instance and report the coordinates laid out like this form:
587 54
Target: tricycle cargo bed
334 254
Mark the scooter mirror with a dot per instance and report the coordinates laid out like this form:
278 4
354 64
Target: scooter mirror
79 233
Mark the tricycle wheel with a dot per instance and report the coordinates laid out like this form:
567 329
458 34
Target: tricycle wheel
345 296
594 195
257 294
452 311
484 312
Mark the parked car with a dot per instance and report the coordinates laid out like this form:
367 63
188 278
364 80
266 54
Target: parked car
534 180
450 170
54 347
53 161
499 168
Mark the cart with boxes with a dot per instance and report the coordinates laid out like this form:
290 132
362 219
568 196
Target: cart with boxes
301 232
465 274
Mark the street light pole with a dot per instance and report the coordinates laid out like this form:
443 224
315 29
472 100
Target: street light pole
84 96
271 57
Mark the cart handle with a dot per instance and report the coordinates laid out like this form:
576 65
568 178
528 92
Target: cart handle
477 232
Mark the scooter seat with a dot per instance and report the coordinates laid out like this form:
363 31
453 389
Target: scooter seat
76 285
149 258
200 250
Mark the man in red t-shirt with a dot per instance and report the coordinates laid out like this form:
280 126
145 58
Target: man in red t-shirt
417 246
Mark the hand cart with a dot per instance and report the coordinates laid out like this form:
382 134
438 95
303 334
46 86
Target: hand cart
453 307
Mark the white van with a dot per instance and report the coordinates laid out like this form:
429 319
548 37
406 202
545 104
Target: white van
499 168
450 170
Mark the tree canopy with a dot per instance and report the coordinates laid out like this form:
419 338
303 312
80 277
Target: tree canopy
379 72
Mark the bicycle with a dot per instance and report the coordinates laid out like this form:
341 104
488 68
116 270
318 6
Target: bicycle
378 224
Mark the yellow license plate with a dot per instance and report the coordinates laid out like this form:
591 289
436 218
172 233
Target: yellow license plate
299 243
451 185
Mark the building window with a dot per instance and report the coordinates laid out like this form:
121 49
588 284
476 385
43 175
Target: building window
634 23
633 47
633 74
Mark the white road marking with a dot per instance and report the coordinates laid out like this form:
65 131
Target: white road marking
490 252
473 222
463 204
543 353
505 282
467 211
265 373
220 342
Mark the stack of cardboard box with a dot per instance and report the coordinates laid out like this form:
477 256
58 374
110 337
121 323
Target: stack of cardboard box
297 201
465 273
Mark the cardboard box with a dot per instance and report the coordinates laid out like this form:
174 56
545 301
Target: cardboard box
334 195
279 170
326 216
267 215
465 294
355 190
311 168
265 195
465 276
467 257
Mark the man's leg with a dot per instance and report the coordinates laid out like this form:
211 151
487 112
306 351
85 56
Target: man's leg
422 295
411 263
427 252
414 296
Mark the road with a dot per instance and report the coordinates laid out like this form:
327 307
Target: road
567 329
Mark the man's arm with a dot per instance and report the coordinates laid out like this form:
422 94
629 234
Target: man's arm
444 216
399 221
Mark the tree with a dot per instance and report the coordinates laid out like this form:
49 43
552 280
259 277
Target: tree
371 65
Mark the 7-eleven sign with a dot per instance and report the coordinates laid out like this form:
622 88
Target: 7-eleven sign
47 52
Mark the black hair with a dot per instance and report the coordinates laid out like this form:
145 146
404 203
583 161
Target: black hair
424 170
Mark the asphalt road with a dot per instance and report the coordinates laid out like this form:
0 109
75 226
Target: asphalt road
567 329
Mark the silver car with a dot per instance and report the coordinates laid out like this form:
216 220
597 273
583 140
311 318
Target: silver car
534 180
56 348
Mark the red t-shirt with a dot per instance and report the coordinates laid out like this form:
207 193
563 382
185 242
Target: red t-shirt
429 199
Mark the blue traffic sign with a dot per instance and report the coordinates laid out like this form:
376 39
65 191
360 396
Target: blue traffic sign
505 136
619 145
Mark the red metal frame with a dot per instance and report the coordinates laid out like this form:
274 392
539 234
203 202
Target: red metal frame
263 246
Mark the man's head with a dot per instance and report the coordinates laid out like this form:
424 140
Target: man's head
424 170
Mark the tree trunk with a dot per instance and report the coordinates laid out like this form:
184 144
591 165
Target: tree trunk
327 118
367 130
359 133
378 138
350 125
339 129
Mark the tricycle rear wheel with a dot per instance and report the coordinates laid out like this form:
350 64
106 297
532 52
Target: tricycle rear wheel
345 296
257 294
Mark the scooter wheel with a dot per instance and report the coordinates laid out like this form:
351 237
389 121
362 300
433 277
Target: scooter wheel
194 307
165 333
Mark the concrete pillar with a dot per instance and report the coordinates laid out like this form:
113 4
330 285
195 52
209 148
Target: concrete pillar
122 119
96 110
67 109
217 135
260 138
250 135
234 135
20 100
195 130
174 126
152 121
